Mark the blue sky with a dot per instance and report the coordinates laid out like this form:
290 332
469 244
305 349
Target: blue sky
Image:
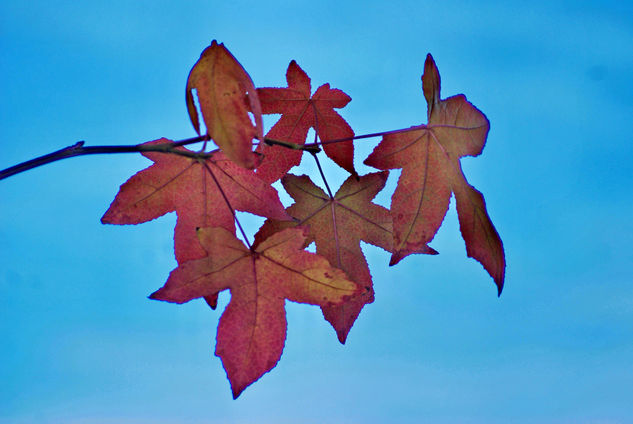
81 343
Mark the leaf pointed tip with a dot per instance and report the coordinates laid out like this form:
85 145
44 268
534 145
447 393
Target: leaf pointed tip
108 216
238 387
431 82
212 301
395 258
499 283
163 295
403 253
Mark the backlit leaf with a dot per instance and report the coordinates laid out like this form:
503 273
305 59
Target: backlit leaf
300 112
431 171
226 95
252 329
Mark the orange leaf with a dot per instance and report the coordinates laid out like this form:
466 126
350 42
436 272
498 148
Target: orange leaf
226 94
429 158
300 112
252 329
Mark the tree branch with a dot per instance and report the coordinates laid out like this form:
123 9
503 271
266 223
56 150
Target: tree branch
78 149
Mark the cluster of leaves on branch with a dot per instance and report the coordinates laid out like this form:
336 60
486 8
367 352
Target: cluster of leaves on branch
206 188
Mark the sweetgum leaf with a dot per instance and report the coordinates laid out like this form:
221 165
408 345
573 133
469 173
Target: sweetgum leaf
300 112
226 95
186 186
431 171
252 329
337 225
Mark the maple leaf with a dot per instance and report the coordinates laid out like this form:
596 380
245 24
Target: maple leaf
337 225
429 158
252 329
300 112
226 95
188 187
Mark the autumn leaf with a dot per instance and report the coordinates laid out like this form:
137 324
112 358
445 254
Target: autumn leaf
431 171
300 112
337 225
252 329
226 95
188 187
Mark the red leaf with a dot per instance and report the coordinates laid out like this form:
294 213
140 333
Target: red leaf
337 225
226 94
300 112
252 329
429 158
185 185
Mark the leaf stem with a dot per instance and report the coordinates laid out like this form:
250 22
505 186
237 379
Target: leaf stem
327 186
228 203
358 137
316 137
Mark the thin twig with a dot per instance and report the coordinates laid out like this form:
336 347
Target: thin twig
192 140
358 137
293 146
78 149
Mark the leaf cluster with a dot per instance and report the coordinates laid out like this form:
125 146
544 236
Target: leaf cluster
206 188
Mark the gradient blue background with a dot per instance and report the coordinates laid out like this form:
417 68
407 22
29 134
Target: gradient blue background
79 341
